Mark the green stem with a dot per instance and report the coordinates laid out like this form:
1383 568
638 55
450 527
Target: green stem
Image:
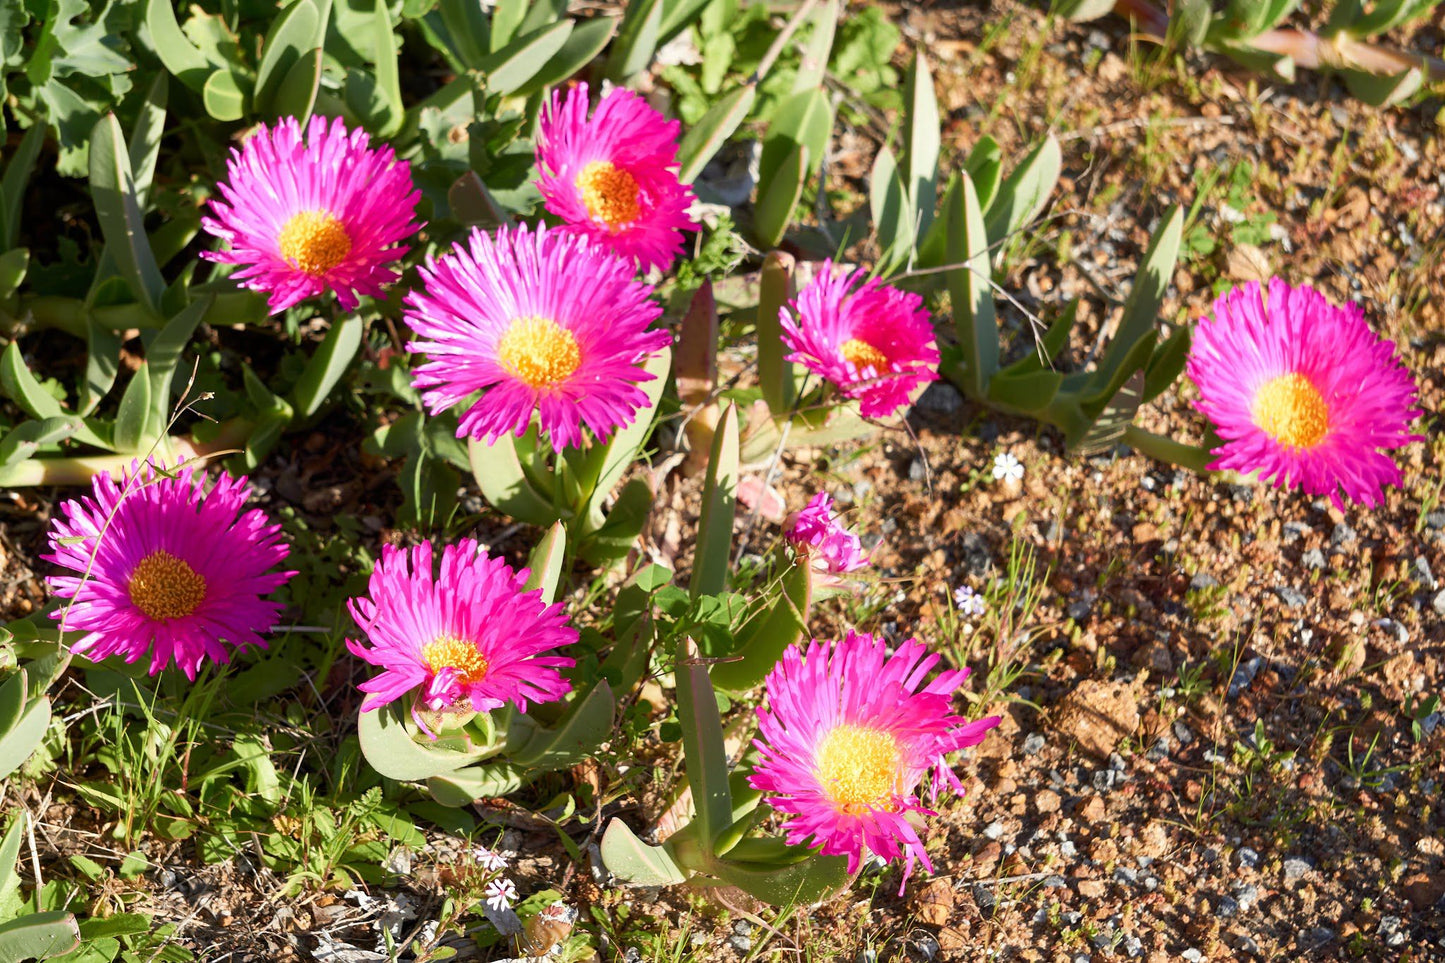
1168 450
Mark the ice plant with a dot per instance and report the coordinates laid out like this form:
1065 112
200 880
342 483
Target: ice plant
848 734
614 177
470 637
874 342
165 566
1302 392
819 534
545 322
303 217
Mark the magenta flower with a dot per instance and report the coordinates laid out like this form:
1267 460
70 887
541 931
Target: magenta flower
545 322
1302 392
848 734
614 177
874 343
166 567
471 636
304 218
819 534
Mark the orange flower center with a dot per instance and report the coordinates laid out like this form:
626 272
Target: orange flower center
539 351
609 193
858 768
1292 411
862 355
164 587
314 241
458 655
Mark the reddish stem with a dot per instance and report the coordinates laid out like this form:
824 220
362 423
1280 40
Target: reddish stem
1307 49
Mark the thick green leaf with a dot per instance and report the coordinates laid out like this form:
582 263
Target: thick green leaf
1278 66
465 786
388 76
1141 310
1384 90
504 484
335 354
145 138
12 706
1190 22
520 61
1083 9
704 755
1028 392
802 119
814 63
297 94
775 372
584 43
14 264
473 205
767 634
713 556
17 178
1166 363
389 747
800 883
1109 425
968 286
122 221
293 33
1026 190
21 387
225 96
778 197
625 446
163 356
39 936
1100 391
629 858
625 521
585 727
541 13
922 141
888 202
985 165
707 136
507 16
176 51
637 39
134 412
545 562
24 737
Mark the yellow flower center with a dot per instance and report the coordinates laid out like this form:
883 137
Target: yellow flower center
609 193
858 768
458 655
863 354
164 587
1292 411
539 351
314 241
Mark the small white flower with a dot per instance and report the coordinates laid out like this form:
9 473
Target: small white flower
500 893
488 860
968 601
1007 468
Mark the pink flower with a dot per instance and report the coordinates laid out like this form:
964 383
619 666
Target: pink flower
874 343
471 635
848 734
165 567
542 322
1302 392
304 218
817 532
614 177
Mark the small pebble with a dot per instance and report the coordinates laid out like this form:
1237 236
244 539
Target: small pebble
1313 559
1033 743
1342 535
1295 868
1248 858
1291 596
993 830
